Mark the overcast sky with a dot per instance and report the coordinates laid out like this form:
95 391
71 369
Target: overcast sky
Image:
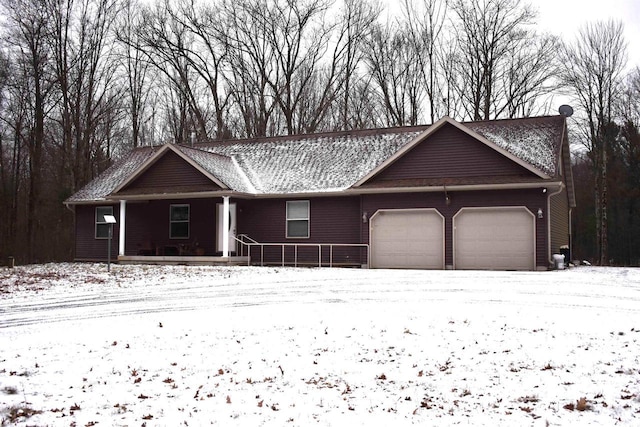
564 18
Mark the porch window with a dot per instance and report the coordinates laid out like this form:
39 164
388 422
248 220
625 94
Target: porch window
298 219
102 227
179 222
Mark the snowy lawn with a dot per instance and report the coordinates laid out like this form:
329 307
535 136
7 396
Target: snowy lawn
242 346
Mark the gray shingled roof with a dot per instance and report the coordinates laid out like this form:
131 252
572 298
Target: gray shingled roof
327 162
534 140
100 187
314 163
223 167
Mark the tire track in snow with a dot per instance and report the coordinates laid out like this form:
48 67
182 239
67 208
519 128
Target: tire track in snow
164 290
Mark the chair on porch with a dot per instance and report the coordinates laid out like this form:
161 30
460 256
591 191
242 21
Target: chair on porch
147 248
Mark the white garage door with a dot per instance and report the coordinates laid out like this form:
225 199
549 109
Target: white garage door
494 239
411 238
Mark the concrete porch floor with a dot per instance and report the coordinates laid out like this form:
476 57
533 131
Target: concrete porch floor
183 260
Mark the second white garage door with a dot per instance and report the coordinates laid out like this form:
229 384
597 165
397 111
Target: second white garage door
412 238
494 239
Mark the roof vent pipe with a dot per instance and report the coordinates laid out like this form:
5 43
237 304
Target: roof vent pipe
193 138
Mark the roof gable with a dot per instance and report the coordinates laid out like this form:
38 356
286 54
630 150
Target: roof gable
449 152
169 171
456 151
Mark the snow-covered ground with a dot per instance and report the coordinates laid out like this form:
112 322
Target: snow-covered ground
243 346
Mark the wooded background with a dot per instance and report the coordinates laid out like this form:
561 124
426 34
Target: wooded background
84 81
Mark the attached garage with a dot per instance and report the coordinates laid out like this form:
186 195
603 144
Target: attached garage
407 238
497 238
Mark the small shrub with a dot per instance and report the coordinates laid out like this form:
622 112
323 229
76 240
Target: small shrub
16 414
581 404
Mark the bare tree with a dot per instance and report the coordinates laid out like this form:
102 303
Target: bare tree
452 104
356 21
29 45
529 76
625 246
394 69
278 50
298 40
425 20
11 159
207 55
166 42
630 100
593 67
502 64
135 68
80 34
251 62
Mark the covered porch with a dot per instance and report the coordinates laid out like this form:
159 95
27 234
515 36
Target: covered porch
170 230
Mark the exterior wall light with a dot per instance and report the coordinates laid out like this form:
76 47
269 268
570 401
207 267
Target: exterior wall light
365 217
540 215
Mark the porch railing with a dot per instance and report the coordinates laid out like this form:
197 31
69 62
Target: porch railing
245 244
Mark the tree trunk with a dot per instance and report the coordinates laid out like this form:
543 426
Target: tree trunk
604 229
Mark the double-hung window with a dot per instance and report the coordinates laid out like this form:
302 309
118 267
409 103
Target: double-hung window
102 226
179 222
298 219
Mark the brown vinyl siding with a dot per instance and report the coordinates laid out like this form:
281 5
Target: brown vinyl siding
88 248
532 199
559 221
170 174
450 153
331 220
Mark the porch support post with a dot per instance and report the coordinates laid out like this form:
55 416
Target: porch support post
121 236
225 226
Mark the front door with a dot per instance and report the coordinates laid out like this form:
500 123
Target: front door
232 227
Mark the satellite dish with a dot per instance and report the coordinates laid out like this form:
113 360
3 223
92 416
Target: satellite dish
565 110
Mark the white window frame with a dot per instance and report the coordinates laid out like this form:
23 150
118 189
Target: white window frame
103 222
290 220
187 221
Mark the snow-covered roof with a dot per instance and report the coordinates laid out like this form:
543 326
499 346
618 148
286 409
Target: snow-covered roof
314 163
330 162
535 140
221 166
99 188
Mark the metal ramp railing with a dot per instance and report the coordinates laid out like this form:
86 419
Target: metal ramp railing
246 243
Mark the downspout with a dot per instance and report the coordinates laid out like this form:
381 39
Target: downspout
549 254
570 236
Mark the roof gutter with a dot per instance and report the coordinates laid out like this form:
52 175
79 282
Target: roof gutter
465 187
168 196
550 185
